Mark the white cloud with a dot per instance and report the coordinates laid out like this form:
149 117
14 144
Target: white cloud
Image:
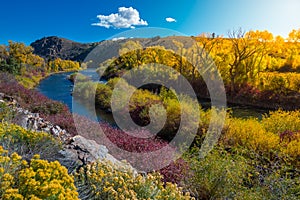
170 19
125 18
118 38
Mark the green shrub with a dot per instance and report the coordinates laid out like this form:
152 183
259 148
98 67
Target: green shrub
78 77
122 82
139 105
85 90
6 113
238 173
219 175
48 108
281 186
103 96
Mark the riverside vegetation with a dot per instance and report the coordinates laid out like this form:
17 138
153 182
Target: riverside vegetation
28 68
253 159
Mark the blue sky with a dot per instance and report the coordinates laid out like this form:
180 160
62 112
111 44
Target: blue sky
26 21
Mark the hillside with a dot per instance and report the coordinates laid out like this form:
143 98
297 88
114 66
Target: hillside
55 47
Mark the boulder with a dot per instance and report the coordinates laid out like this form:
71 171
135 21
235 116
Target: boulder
88 151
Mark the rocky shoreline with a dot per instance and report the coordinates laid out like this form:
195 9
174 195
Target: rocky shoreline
76 151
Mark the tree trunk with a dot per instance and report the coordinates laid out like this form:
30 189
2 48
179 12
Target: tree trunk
232 84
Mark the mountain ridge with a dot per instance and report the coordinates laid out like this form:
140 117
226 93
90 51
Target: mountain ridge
53 47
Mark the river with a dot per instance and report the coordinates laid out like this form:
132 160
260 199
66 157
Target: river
58 87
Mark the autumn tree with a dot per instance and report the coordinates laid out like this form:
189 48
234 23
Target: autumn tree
294 48
9 62
263 41
17 58
128 46
133 48
294 35
201 54
181 51
63 65
4 54
19 51
243 47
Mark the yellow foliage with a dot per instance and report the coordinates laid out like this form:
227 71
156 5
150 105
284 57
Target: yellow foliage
63 65
278 132
15 133
38 179
292 149
280 81
106 181
280 121
249 133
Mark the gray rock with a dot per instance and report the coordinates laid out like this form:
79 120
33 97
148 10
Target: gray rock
88 151
21 119
32 121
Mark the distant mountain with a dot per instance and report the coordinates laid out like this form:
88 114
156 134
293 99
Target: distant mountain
55 47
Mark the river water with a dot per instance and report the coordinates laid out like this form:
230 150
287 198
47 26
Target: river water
58 87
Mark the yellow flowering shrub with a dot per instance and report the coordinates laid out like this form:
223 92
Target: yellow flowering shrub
38 179
249 133
279 132
280 121
104 181
293 149
28 143
286 124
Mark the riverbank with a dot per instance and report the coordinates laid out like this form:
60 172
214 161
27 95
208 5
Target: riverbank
33 81
267 100
289 103
264 100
